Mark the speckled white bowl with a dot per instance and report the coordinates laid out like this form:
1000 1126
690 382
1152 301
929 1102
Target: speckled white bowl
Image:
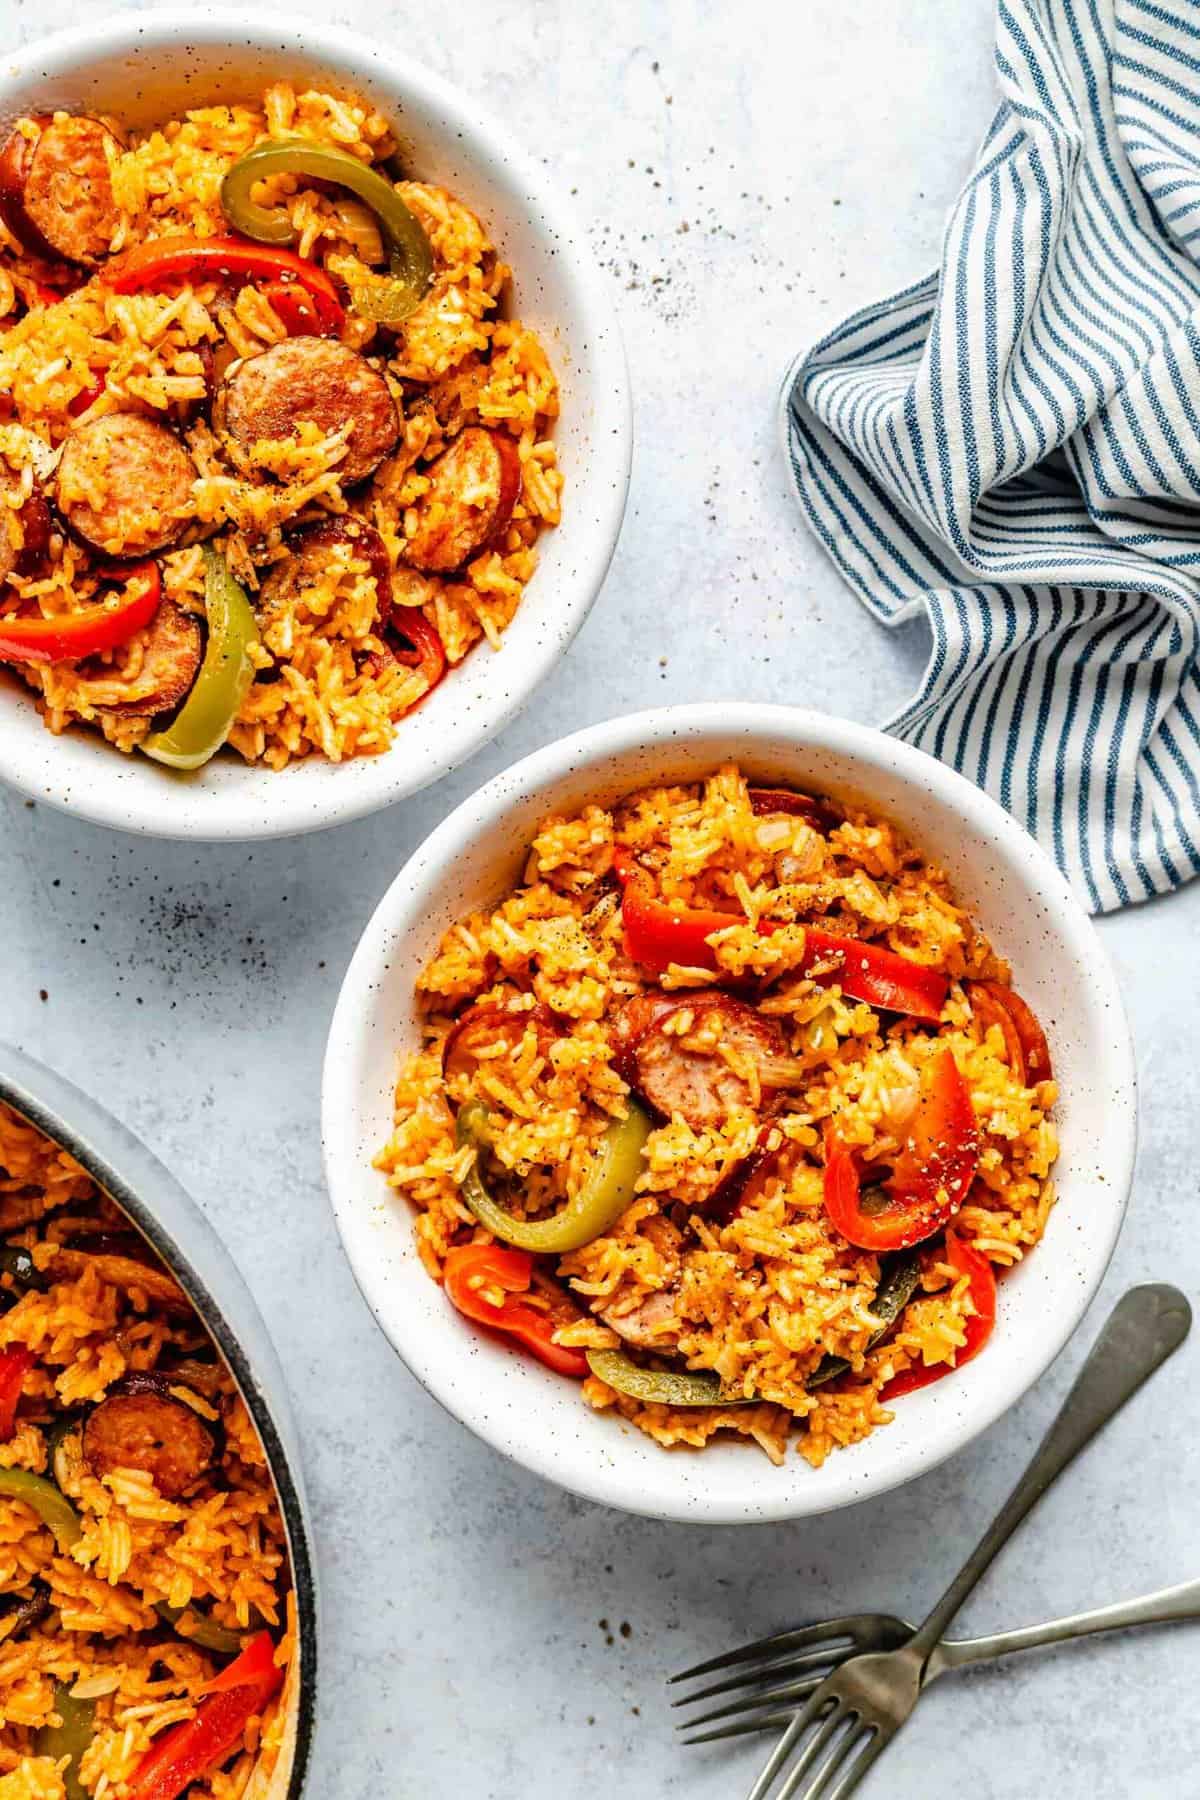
1010 886
144 67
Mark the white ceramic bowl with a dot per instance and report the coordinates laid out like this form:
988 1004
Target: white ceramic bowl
145 67
1011 887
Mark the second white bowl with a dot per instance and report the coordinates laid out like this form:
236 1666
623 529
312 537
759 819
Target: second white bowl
1012 889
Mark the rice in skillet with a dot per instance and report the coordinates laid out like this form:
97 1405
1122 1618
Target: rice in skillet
141 1547
845 1113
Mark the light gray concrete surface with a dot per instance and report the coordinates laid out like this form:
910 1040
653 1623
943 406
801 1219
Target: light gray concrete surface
747 174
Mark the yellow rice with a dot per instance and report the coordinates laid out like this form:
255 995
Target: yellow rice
456 361
764 1298
221 1548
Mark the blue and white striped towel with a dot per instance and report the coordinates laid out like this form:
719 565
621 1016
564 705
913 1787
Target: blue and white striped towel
1014 445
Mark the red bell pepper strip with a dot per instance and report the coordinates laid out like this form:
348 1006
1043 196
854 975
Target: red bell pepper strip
472 1267
296 312
86 397
428 653
881 977
930 1178
188 1751
966 1260
988 1011
174 258
14 1365
658 933
1002 1005
72 636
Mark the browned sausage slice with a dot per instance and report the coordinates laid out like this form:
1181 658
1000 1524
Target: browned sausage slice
124 485
56 192
681 1073
473 1038
632 1023
153 1432
170 663
33 527
308 380
473 488
654 1323
310 553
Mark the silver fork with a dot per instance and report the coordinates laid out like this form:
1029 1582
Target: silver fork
857 1710
835 1641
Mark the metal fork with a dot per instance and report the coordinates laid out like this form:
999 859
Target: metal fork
836 1640
857 1710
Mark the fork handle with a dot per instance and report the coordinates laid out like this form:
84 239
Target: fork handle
1172 1603
1145 1326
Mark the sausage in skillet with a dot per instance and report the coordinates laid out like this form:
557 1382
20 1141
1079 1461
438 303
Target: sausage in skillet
149 1429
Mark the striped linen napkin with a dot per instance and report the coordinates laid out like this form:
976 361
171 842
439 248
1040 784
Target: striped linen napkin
1014 445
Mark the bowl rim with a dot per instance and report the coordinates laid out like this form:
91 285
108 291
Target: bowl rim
670 727
22 1085
292 804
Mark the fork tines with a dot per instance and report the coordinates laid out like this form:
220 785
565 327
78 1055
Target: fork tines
767 1648
770 1679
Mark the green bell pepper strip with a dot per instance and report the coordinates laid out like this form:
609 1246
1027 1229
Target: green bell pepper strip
896 1288
71 1738
662 1387
410 258
202 723
197 1628
598 1205
51 1507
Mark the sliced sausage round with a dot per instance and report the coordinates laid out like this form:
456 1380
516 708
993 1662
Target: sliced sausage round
472 1039
473 487
124 485
632 1023
170 662
308 558
33 517
701 1085
654 1324
56 192
308 380
149 1431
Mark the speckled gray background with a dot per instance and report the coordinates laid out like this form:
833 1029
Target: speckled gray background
746 180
